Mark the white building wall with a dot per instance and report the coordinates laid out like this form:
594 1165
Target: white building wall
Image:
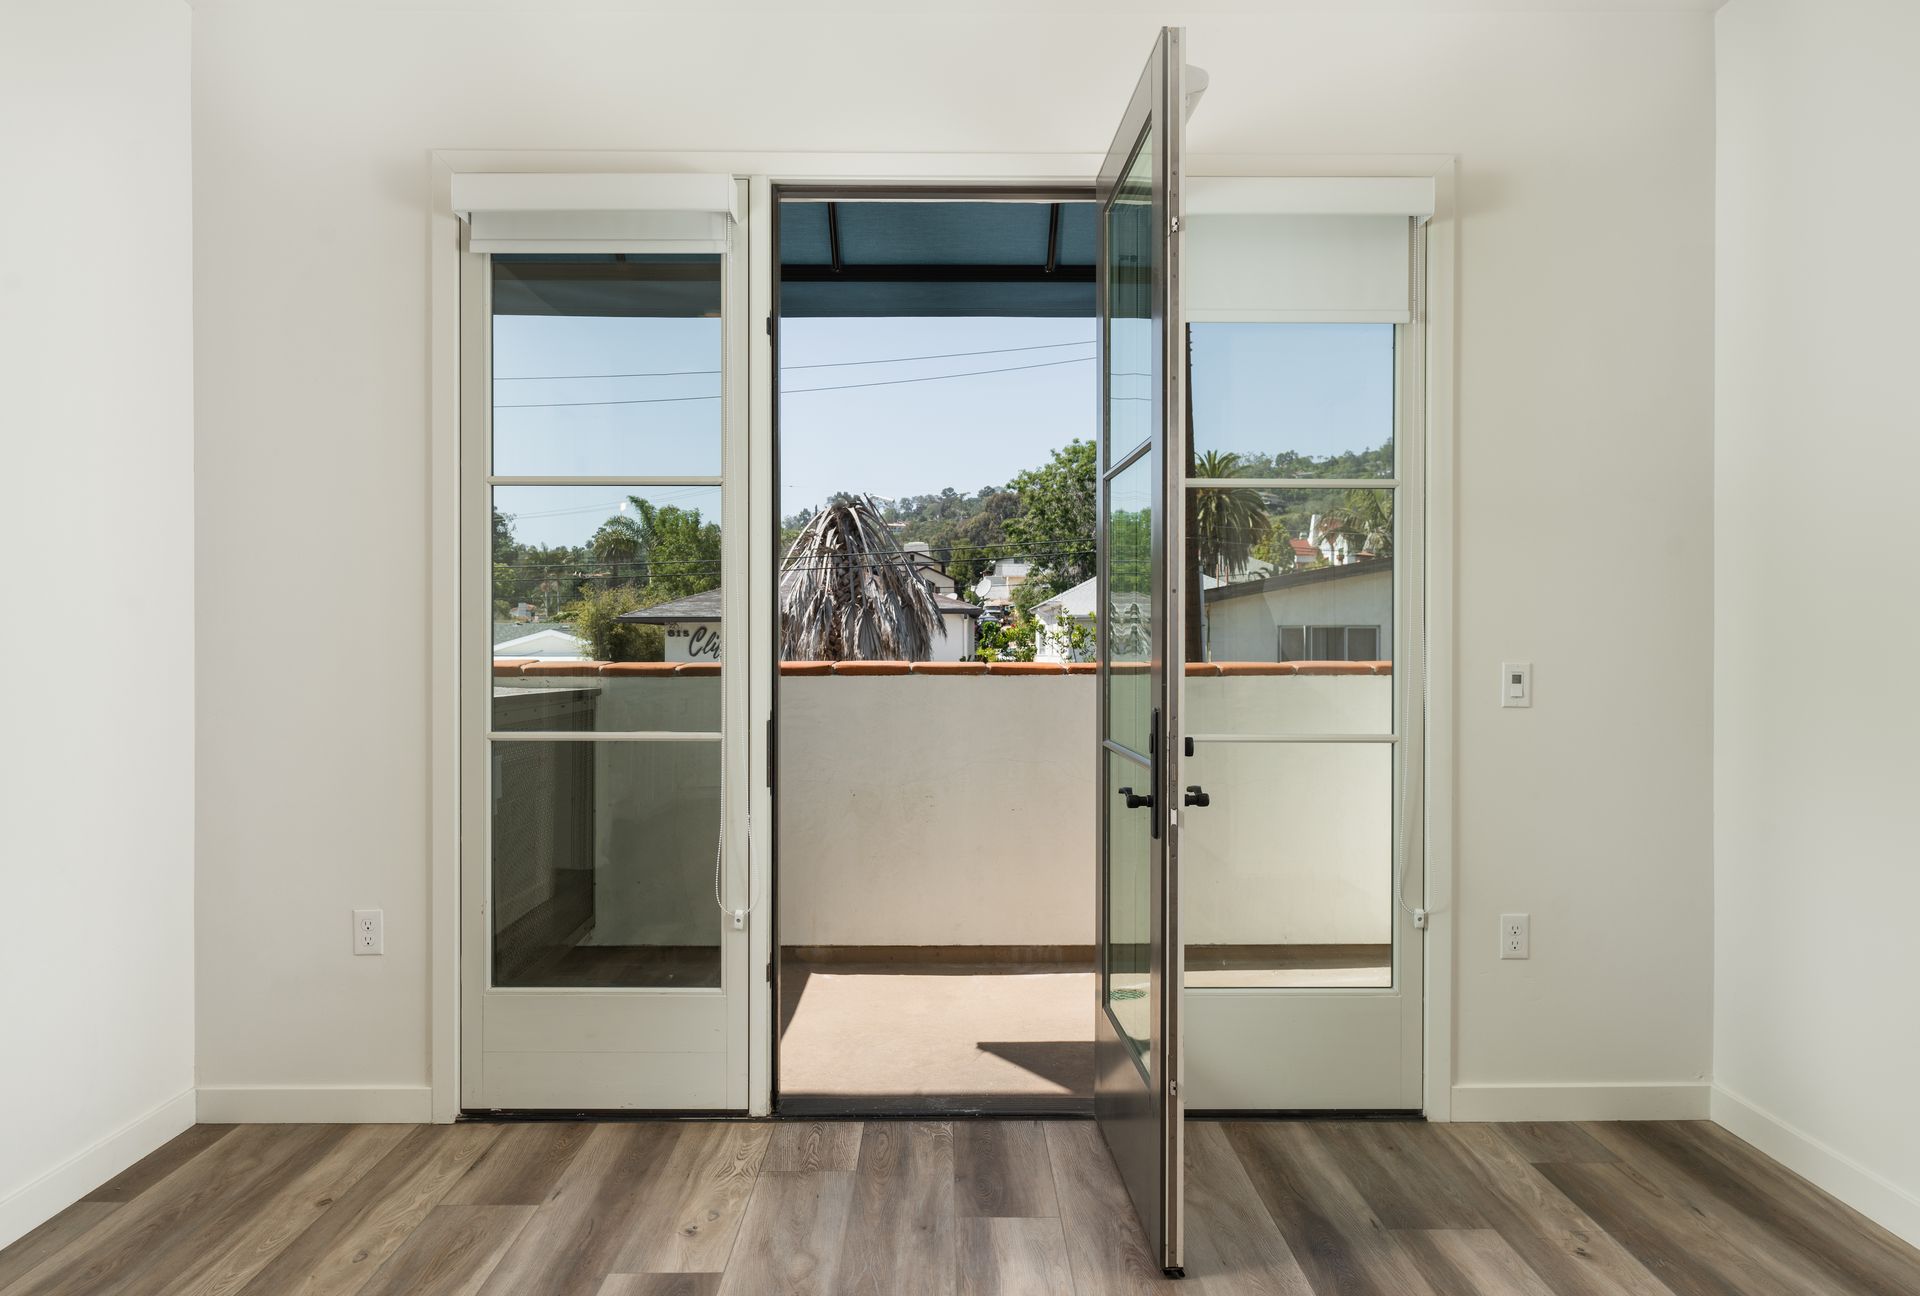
97 521
1247 628
1816 1032
1585 145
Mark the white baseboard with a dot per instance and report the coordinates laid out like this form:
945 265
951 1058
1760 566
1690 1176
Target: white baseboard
1681 1100
33 1203
1878 1198
316 1104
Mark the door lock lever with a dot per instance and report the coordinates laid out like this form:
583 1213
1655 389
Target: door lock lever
1197 796
1135 801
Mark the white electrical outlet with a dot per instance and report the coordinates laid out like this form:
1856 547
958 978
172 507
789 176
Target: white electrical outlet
1516 938
369 931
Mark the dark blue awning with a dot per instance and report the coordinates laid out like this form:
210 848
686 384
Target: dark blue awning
936 258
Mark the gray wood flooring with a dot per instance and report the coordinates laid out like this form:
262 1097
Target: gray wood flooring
966 1208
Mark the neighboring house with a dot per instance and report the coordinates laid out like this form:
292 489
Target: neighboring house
553 640
995 589
1339 612
931 569
1067 608
692 626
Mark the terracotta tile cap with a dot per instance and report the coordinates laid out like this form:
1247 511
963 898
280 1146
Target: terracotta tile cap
1026 668
638 668
1258 668
1083 668
872 667
950 668
563 667
806 668
696 668
1203 668
1332 668
509 665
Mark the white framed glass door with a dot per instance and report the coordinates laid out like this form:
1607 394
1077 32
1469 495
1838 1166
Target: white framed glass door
604 941
1303 499
1137 982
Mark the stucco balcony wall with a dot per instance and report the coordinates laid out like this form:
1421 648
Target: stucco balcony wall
953 803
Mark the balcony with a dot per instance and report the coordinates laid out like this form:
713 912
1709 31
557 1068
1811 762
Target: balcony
937 828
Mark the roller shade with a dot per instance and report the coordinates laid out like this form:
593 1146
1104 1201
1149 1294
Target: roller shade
512 212
1302 250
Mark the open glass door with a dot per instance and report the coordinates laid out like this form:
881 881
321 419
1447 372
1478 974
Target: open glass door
1136 1015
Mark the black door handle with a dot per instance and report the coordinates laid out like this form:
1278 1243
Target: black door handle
1197 796
1134 802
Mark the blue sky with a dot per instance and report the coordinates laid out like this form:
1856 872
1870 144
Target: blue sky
847 424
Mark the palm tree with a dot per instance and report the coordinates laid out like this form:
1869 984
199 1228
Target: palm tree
1365 517
848 592
1223 524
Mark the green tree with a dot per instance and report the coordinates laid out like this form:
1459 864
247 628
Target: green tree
1223 525
1055 526
680 549
595 617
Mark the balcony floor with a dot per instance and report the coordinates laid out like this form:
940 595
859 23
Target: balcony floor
928 1037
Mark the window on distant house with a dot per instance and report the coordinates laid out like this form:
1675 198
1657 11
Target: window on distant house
1329 643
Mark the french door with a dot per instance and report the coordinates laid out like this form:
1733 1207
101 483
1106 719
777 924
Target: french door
1137 1053
604 908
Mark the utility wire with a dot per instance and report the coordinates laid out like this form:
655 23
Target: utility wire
800 391
824 364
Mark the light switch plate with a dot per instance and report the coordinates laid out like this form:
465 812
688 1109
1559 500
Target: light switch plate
1516 684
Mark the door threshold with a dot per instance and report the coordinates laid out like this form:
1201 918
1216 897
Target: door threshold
929 1107
1384 1114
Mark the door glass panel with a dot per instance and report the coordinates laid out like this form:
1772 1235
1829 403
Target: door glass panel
1289 872
1129 621
611 596
1292 400
1128 965
1297 610
606 366
603 864
1131 268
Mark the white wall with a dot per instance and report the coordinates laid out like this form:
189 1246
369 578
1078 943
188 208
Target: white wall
96 520
1816 1033
1585 335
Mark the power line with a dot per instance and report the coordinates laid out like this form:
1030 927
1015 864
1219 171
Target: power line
801 391
824 364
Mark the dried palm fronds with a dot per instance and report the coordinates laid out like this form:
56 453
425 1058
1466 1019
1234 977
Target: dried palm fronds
848 592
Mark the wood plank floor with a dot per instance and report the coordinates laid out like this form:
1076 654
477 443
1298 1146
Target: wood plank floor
968 1208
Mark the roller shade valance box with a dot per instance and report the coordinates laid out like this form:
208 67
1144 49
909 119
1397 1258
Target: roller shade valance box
1302 250
610 212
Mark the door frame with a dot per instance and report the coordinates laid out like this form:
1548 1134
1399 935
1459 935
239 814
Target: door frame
959 172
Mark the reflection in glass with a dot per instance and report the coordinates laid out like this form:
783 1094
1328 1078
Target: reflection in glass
1288 874
1130 613
606 608
1131 264
606 365
1128 964
1293 400
602 867
1271 562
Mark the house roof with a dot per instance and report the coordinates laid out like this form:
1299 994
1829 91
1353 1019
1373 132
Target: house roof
1300 577
706 606
508 631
